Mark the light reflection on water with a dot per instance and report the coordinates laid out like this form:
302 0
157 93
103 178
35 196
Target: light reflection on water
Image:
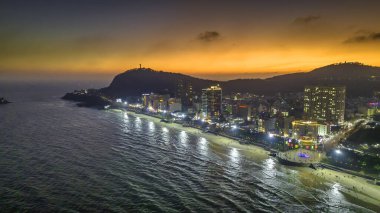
126 117
138 123
234 156
152 126
269 164
165 134
183 138
202 145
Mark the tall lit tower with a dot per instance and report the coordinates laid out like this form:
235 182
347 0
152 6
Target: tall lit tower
212 102
185 93
325 103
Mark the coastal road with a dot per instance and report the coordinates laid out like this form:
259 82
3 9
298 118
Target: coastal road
331 143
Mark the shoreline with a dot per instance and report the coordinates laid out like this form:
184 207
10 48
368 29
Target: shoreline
217 139
353 186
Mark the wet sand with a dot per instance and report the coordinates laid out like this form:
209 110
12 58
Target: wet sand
356 187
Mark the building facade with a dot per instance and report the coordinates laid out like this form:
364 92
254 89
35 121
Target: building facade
212 102
325 103
308 131
185 93
155 102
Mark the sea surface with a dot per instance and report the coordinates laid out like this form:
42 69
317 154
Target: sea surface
55 156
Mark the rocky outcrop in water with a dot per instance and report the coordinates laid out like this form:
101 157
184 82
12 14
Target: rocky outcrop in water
87 99
4 101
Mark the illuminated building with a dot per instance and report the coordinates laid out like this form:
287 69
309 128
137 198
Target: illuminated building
174 105
155 102
239 110
185 93
245 112
371 109
307 131
287 125
212 102
260 125
271 125
145 100
325 103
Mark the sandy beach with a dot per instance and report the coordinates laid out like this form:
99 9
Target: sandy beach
354 187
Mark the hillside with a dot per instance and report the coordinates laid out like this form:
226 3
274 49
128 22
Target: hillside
360 80
144 80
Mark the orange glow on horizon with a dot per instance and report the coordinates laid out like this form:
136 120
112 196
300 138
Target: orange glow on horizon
232 38
195 62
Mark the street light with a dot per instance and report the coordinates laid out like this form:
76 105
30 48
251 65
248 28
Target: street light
337 151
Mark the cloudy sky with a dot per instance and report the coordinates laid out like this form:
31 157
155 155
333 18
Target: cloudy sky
211 38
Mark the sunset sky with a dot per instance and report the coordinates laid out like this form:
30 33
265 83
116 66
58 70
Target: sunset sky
203 38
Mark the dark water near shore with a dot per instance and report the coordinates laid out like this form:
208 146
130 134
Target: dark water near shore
55 156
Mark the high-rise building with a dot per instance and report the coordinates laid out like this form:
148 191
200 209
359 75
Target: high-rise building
185 93
325 103
212 102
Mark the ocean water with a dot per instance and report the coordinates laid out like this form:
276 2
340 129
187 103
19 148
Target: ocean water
55 156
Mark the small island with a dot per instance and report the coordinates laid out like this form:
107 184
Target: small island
4 101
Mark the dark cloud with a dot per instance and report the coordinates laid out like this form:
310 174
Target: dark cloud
368 37
306 19
208 36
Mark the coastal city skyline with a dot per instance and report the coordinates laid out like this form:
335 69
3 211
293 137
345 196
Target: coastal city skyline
189 106
244 38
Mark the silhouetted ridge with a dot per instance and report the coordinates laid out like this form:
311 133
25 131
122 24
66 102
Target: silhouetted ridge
360 80
346 71
144 80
